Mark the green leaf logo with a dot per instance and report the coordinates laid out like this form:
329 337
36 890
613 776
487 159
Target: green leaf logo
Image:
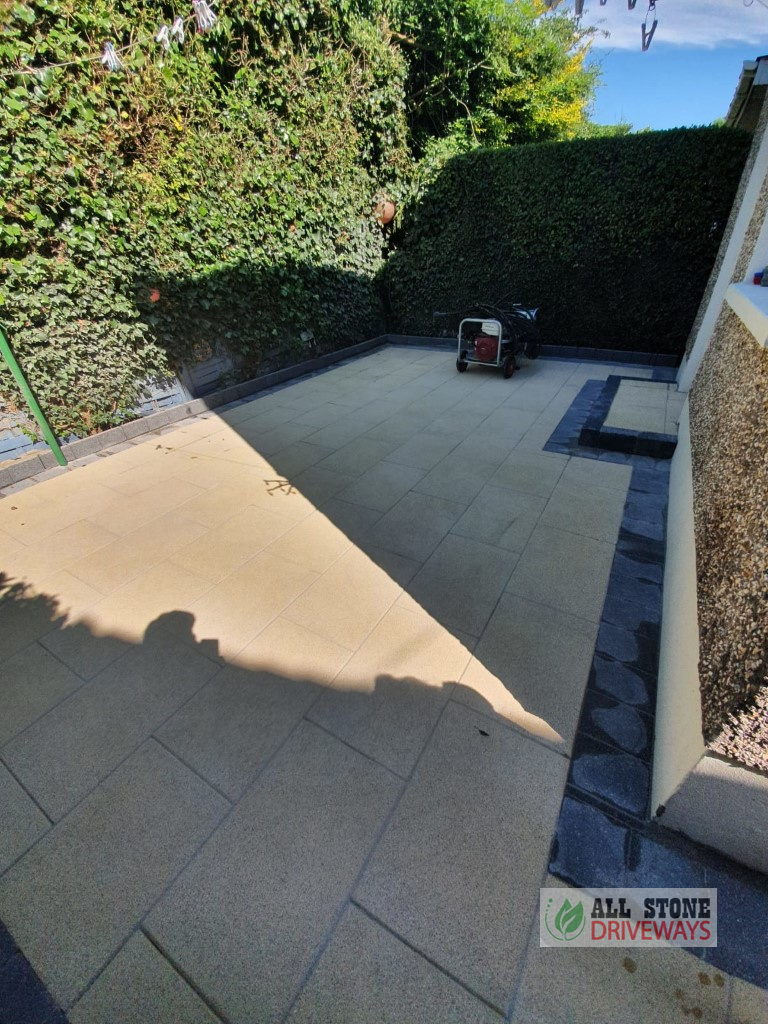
569 922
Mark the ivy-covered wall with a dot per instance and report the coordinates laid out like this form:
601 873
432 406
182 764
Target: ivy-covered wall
612 238
221 193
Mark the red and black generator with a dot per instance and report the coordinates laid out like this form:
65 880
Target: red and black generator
496 337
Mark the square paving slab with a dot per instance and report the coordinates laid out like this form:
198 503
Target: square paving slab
647 406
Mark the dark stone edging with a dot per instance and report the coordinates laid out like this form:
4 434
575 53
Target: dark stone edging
604 835
610 355
40 461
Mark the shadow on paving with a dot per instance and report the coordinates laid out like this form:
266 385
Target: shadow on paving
415 476
140 772
221 859
426 490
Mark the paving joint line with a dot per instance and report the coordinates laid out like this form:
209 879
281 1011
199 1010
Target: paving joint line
146 739
195 772
199 992
511 726
515 991
350 745
364 867
34 800
139 926
426 957
71 693
220 824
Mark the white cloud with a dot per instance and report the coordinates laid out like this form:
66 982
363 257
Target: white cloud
705 23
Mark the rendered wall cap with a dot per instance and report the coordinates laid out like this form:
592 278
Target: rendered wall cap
679 744
750 303
725 806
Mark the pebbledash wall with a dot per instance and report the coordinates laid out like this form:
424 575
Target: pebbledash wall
711 754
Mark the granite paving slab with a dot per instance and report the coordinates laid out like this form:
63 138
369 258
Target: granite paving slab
564 570
140 985
69 751
369 976
389 695
23 821
33 682
78 894
249 916
458 870
529 666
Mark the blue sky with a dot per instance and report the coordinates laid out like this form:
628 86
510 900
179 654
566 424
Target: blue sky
689 74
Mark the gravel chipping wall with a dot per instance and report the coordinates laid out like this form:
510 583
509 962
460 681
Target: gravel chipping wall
729 430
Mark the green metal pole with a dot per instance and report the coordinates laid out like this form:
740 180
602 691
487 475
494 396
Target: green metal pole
21 380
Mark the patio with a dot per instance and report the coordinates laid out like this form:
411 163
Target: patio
289 696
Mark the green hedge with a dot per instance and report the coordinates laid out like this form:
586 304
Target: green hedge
613 238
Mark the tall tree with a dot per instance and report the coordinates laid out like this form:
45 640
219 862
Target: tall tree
493 72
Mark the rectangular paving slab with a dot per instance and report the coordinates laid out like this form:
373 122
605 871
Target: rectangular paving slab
530 474
237 609
585 509
33 681
382 486
77 895
246 920
565 571
23 821
78 645
461 582
531 666
240 718
71 749
389 695
355 458
231 543
347 601
140 985
367 975
30 610
457 872
422 451
416 525
501 517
